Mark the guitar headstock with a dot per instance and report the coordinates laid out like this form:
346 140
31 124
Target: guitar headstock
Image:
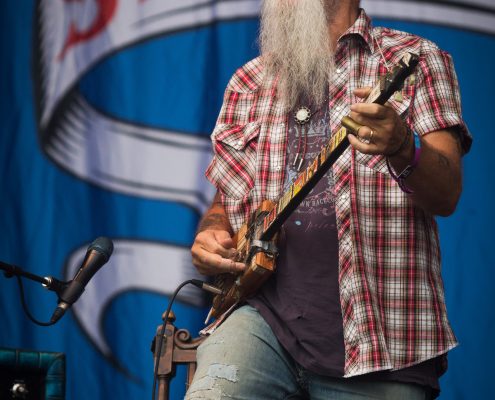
394 80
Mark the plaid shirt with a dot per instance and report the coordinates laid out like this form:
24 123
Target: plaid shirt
391 289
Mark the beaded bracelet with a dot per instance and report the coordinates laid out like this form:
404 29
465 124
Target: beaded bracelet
400 178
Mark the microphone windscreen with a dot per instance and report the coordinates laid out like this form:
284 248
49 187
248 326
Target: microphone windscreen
103 245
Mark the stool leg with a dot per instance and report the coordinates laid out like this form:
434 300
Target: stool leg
163 388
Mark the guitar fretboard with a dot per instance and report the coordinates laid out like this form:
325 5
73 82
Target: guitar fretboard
304 182
336 145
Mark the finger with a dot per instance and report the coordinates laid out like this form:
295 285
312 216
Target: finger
228 251
364 134
362 147
221 235
213 246
362 92
356 143
228 243
229 246
211 264
218 242
371 110
367 124
226 265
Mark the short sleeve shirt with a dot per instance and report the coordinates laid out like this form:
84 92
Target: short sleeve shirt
390 286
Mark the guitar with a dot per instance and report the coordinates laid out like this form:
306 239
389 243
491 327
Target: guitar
256 239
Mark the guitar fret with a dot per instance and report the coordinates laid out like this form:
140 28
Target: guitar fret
334 142
340 136
312 168
299 183
285 198
270 217
323 155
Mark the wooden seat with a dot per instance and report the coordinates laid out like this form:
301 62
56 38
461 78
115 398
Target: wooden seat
178 348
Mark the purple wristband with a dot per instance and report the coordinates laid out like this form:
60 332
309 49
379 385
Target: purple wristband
400 178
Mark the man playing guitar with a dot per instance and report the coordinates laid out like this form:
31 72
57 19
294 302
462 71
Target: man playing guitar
355 308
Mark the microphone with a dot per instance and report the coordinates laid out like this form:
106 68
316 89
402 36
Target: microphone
97 255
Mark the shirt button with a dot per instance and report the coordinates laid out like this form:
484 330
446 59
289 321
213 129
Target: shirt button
338 108
279 168
338 70
239 142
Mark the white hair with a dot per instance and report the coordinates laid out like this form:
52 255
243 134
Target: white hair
296 47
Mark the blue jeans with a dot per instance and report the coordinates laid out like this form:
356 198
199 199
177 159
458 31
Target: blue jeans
243 360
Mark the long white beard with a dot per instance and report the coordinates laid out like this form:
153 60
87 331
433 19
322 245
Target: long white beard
296 48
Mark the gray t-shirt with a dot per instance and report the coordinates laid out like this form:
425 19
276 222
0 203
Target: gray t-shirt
300 302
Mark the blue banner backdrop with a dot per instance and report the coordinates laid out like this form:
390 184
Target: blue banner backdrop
106 109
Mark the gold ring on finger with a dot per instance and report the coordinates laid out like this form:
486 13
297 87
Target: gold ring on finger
370 138
360 138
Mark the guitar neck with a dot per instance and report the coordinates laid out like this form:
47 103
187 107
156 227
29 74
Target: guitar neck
303 184
307 179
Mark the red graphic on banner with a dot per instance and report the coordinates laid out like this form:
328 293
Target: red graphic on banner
106 11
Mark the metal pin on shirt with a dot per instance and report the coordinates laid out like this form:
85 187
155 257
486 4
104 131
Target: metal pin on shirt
298 162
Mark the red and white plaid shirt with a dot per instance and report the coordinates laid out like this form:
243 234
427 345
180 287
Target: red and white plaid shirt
391 288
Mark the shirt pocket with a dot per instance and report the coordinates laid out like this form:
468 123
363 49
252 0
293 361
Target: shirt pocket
236 155
378 163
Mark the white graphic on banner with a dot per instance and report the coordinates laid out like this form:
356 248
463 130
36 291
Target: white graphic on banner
148 266
133 160
477 15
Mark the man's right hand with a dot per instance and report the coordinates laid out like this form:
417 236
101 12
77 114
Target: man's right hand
212 253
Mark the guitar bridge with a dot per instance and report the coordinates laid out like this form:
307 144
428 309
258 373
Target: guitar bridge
258 246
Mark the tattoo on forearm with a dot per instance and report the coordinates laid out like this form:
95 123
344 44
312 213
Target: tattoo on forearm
214 220
455 135
446 165
444 161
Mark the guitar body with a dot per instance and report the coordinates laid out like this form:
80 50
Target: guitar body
259 260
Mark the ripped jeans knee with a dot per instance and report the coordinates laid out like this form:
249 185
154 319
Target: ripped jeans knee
216 384
242 359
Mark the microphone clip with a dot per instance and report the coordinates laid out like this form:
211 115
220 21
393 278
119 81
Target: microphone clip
55 285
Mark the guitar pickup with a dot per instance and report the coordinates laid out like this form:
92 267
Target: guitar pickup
257 246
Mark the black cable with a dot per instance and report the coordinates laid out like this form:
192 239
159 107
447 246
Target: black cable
25 308
159 344
162 331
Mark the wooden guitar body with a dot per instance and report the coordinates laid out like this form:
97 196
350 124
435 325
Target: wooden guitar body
259 257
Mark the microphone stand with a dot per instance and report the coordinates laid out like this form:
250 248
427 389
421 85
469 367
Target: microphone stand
48 282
